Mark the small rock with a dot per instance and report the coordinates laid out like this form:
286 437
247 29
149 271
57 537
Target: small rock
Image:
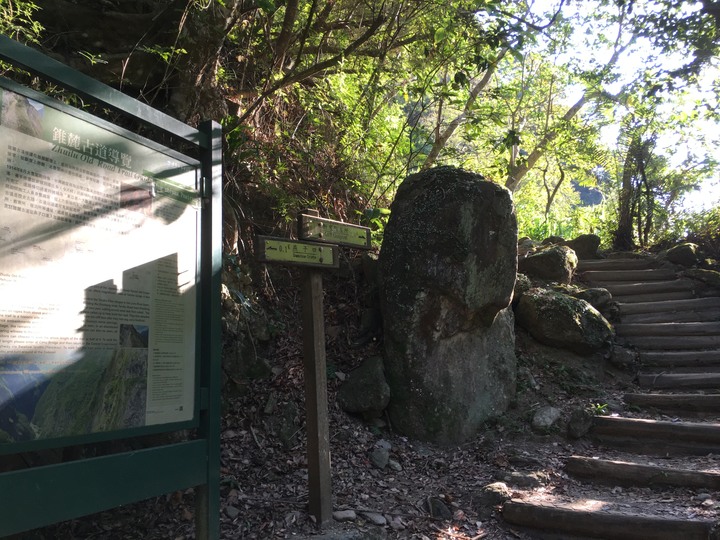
491 495
529 480
374 518
394 465
545 417
707 503
382 443
581 420
397 524
702 496
379 458
437 508
344 515
232 512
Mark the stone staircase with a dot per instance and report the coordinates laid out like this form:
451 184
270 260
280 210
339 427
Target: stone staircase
665 447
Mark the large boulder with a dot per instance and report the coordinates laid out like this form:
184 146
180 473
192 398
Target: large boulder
562 321
585 246
554 263
685 254
447 270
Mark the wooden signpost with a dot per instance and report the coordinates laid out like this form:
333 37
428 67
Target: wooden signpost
314 255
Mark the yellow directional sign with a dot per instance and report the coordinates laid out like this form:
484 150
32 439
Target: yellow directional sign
319 229
281 250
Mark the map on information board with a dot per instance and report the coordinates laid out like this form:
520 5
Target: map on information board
98 271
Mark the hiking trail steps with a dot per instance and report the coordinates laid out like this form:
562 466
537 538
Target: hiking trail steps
672 323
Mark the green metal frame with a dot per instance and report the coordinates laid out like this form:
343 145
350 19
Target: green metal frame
40 496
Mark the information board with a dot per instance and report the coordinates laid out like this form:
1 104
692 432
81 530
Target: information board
98 272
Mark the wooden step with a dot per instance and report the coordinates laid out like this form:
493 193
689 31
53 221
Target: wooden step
672 343
632 289
701 315
589 520
668 305
679 358
657 437
633 474
679 381
636 276
695 403
617 264
668 329
654 297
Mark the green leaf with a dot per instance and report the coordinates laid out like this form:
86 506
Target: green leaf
461 78
267 5
440 35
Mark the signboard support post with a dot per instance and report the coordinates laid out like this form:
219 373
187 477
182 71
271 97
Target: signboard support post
207 495
318 438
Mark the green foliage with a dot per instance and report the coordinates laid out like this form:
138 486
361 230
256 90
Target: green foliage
166 54
599 409
17 20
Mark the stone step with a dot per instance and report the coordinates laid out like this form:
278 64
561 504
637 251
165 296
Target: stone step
673 343
679 381
668 329
623 473
635 276
654 437
617 264
701 315
588 518
654 297
668 306
694 403
666 359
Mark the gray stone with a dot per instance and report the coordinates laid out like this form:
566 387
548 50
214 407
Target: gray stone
489 497
580 422
447 268
365 391
527 480
394 465
585 246
437 508
232 512
379 457
685 254
554 263
344 515
374 518
597 297
522 285
562 321
623 358
545 418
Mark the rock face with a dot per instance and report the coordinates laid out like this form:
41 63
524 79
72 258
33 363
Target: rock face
562 321
447 270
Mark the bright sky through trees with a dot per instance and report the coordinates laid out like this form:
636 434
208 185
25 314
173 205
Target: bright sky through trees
702 135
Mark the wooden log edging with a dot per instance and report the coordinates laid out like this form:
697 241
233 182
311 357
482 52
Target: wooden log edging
676 402
635 474
605 525
679 381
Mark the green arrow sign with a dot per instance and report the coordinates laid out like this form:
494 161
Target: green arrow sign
280 250
335 232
